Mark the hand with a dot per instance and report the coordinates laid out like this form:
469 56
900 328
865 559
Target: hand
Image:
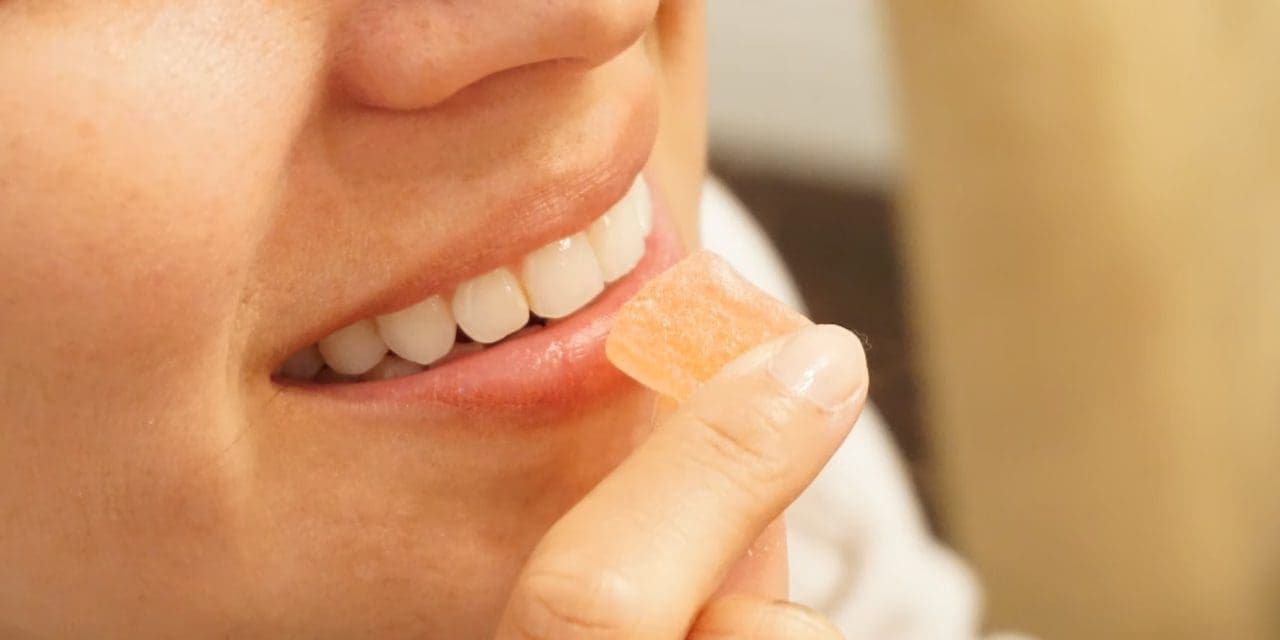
642 555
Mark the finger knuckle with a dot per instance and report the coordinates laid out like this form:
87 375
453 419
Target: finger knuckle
790 620
746 446
573 604
753 618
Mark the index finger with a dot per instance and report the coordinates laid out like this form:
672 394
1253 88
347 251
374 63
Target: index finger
638 556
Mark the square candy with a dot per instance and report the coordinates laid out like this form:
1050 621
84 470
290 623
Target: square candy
690 321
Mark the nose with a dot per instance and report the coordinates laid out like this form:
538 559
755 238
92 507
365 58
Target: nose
413 54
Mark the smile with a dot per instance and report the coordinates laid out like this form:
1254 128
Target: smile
529 331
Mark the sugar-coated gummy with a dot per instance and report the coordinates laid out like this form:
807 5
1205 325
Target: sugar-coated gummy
690 321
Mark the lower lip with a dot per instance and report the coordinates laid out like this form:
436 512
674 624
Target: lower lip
547 371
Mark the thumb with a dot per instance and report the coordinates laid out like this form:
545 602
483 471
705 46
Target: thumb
642 552
768 422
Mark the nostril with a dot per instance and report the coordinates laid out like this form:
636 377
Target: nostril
393 55
415 54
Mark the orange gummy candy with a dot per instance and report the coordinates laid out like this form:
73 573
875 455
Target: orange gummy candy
689 322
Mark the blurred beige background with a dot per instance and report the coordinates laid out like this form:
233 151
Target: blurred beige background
1056 225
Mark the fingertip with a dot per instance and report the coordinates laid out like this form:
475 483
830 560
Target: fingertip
748 617
823 364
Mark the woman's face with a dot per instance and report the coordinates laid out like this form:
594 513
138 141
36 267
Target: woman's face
192 191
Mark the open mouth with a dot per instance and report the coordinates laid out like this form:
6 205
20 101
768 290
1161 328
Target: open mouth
546 288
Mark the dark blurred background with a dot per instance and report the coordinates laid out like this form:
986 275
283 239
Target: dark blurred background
843 255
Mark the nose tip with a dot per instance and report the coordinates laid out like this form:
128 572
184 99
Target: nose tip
413 54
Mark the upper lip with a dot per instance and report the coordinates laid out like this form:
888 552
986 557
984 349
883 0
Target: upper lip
529 216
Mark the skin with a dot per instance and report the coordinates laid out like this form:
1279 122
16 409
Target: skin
188 189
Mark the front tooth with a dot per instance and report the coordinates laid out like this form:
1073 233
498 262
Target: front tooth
562 276
643 200
422 333
617 238
353 349
490 307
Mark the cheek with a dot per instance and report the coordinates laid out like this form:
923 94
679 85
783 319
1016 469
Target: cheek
139 163
680 154
138 166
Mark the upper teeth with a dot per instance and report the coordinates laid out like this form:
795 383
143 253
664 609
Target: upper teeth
491 307
552 281
561 277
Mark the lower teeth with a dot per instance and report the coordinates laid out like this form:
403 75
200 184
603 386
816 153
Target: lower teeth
392 366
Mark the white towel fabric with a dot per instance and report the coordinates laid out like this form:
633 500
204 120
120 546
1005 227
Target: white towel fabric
860 549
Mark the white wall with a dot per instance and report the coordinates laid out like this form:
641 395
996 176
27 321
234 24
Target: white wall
802 86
